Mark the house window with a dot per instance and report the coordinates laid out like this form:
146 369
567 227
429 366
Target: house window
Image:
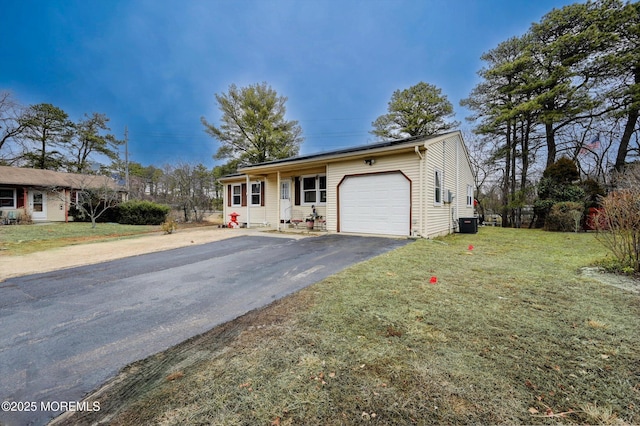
322 188
469 196
8 198
236 195
314 189
438 188
309 189
255 194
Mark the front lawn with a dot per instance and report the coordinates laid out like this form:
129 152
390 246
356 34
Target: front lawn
24 239
499 327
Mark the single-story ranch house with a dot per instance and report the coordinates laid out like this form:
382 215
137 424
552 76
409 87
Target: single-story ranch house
45 195
420 186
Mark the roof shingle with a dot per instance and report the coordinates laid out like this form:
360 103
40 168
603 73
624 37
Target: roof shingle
48 178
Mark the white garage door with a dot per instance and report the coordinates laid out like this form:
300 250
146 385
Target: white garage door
375 204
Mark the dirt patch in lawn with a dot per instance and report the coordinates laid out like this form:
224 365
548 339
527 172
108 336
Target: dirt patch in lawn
620 281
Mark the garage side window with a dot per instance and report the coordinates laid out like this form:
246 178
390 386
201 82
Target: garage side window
8 198
469 196
437 198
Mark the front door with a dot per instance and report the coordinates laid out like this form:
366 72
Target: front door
38 205
285 201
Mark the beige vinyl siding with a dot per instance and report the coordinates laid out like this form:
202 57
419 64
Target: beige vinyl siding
303 209
466 178
271 200
450 157
437 215
407 163
257 216
269 215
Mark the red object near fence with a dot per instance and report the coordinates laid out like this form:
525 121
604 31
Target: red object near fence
234 220
595 219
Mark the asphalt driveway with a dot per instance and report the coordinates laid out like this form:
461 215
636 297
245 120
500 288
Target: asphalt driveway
66 332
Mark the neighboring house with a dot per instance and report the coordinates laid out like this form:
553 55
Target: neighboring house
44 195
418 186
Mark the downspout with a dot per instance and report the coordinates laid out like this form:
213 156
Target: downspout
248 198
421 188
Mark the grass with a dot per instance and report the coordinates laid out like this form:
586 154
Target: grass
511 333
25 239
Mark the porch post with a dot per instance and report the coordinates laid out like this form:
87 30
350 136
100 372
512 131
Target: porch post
248 195
278 227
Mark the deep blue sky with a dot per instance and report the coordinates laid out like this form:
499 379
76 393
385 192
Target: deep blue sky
155 65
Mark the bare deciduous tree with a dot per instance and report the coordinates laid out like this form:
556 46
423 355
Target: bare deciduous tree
10 125
91 195
618 222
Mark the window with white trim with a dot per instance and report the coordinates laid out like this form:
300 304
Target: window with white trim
255 194
8 198
236 195
314 189
437 198
469 196
322 188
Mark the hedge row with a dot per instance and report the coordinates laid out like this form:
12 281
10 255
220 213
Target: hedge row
142 213
129 213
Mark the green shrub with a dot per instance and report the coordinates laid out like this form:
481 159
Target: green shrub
111 215
564 217
615 266
142 213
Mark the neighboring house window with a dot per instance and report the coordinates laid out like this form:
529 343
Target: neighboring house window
438 187
469 196
236 191
8 198
255 194
314 189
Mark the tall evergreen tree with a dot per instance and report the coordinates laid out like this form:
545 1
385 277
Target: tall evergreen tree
254 128
49 128
420 110
90 138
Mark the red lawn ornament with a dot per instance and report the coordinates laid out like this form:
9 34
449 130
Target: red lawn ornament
433 280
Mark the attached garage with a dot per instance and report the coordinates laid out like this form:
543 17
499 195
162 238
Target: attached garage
378 203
